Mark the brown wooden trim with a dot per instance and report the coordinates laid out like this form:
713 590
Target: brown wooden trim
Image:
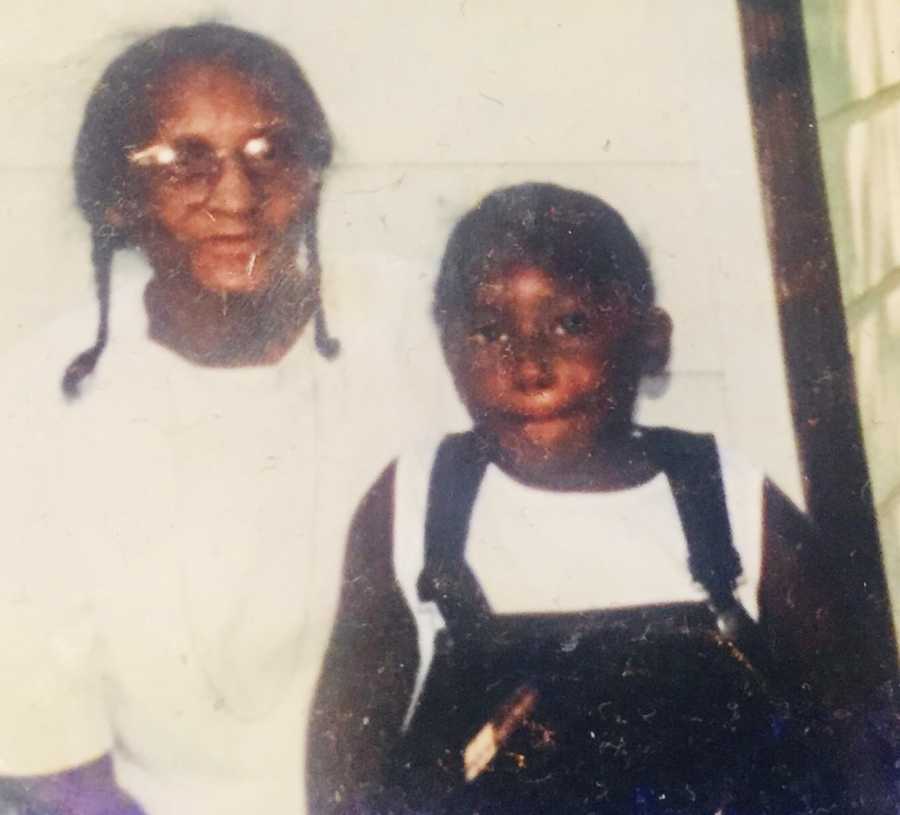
814 334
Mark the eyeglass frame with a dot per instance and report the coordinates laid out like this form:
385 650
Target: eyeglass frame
162 156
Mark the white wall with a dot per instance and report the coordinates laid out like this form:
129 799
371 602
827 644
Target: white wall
434 104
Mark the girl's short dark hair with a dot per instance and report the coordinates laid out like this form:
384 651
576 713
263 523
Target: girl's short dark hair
118 118
569 233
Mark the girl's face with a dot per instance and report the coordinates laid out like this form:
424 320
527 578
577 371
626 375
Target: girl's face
546 366
226 186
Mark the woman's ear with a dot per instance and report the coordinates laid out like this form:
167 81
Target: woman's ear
657 342
126 213
123 218
115 217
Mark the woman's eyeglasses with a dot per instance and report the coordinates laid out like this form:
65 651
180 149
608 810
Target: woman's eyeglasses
195 164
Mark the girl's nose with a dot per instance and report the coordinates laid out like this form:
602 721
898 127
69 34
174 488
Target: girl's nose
533 370
232 192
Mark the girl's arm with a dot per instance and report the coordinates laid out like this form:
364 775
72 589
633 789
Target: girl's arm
369 668
817 641
801 602
90 789
807 615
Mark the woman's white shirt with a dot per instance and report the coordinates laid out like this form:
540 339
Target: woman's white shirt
172 554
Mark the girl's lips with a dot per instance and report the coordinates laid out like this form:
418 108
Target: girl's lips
540 416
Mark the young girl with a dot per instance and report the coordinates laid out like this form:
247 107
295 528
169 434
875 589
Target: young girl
562 611
155 647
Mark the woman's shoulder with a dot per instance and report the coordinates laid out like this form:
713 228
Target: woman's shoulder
34 365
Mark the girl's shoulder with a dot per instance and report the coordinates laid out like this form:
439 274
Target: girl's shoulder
416 458
411 480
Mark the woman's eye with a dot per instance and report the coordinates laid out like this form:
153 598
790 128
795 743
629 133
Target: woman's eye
273 150
572 325
262 150
258 148
193 159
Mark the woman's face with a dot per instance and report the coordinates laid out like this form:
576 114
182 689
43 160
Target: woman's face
227 190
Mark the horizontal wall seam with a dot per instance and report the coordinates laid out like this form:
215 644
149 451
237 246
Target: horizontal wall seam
860 109
884 503
862 304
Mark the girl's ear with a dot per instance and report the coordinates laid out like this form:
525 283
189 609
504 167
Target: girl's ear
657 342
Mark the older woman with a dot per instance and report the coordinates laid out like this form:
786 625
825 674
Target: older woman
158 648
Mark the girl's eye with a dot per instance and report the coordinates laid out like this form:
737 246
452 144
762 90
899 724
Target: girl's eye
490 333
572 325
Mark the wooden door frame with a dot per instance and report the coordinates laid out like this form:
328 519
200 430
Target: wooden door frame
821 382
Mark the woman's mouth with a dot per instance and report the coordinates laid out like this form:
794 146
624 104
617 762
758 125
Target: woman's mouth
234 263
231 244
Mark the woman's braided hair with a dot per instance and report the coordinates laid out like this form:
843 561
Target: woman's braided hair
117 118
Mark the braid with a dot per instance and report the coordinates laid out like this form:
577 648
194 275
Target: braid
103 247
327 346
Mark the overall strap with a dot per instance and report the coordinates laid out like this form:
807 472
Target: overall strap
446 578
691 464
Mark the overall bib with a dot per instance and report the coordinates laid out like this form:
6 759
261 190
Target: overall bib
648 709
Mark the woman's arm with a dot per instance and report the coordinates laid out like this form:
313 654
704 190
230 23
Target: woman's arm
90 789
369 668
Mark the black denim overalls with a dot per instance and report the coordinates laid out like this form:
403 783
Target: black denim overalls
652 709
